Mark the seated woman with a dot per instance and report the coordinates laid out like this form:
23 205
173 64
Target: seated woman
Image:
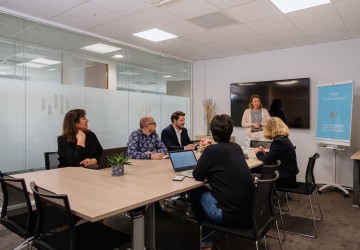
281 149
78 146
223 165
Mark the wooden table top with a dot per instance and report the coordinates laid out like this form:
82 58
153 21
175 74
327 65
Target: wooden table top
356 156
95 194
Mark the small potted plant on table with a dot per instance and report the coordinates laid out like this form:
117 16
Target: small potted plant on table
117 162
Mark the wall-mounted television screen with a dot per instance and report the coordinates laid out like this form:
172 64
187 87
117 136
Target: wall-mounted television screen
291 96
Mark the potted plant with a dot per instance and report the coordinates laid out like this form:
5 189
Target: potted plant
117 162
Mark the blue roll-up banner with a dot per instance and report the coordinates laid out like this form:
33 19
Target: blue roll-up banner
335 101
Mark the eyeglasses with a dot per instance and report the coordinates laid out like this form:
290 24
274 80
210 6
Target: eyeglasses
152 123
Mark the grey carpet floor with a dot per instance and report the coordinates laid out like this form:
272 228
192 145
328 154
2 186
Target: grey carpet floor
340 228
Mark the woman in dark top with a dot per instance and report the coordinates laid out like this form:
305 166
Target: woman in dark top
281 149
223 164
78 146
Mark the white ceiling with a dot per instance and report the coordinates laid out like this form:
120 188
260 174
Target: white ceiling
260 25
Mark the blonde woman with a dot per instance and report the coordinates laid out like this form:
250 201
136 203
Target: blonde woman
281 149
255 117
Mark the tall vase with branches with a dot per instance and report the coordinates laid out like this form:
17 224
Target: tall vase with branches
209 112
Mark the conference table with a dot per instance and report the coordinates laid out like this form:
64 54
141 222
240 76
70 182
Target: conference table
95 194
356 178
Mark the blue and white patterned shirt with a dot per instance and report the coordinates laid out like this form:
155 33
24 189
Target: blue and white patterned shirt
139 143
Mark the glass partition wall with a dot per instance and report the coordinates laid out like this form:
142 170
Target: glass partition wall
46 71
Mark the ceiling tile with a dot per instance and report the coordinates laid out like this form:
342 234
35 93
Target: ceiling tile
296 42
261 47
323 27
124 7
270 24
73 22
348 8
253 39
313 15
30 9
93 13
58 6
284 34
252 11
155 17
121 27
354 32
220 44
352 21
331 36
202 37
190 8
232 31
182 28
224 4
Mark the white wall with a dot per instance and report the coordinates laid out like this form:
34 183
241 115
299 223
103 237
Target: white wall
323 63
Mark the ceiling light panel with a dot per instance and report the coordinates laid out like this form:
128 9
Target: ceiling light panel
155 35
45 61
287 6
101 48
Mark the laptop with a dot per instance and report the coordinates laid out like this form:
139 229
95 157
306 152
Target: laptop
103 163
183 162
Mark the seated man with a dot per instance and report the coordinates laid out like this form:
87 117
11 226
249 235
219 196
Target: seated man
175 136
144 143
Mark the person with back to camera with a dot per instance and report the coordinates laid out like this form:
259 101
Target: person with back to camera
223 165
175 136
255 117
144 143
281 149
275 110
78 146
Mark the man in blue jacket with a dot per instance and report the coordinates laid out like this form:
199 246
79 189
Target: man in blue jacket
175 136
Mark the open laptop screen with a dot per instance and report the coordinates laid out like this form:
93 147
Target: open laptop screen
183 160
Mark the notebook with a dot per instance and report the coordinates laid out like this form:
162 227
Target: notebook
103 163
183 162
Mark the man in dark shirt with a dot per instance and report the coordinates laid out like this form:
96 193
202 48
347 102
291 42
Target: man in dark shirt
175 136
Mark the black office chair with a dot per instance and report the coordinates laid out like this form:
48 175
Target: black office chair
51 160
306 188
55 228
17 214
263 217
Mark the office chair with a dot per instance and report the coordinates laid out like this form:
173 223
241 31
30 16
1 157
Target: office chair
51 160
61 233
306 188
17 214
263 217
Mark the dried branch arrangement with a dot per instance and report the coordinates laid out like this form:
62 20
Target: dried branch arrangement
209 109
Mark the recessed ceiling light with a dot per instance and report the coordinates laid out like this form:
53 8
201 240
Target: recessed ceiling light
167 76
45 61
4 67
128 73
287 6
155 35
117 56
32 65
101 48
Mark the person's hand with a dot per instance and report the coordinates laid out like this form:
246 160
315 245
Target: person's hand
256 124
259 149
88 162
204 142
81 136
190 147
157 156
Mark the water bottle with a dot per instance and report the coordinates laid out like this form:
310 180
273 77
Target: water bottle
247 145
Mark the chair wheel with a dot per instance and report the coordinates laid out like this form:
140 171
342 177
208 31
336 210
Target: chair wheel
319 192
346 196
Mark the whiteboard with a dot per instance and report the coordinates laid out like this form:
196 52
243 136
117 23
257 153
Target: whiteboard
334 116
